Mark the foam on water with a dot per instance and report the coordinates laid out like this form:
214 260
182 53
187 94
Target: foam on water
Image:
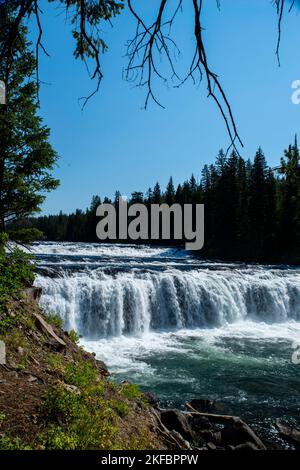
103 249
131 354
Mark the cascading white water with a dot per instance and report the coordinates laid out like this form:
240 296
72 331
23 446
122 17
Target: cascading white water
182 327
97 304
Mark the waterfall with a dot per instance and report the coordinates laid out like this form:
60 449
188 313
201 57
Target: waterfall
99 304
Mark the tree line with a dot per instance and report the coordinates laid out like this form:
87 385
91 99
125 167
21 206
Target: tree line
252 212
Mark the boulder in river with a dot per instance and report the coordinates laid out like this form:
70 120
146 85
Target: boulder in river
288 432
203 405
175 420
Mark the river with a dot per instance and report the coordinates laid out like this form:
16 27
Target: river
182 327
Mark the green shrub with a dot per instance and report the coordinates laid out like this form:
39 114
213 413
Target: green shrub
130 391
74 337
133 392
16 272
8 443
14 339
80 374
62 405
120 407
55 320
56 439
82 421
7 322
57 362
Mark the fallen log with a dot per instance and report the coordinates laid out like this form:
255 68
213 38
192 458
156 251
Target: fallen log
212 416
237 424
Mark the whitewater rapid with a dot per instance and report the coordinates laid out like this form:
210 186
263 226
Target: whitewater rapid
127 290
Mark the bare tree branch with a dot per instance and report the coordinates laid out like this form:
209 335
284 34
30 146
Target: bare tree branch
280 8
151 42
152 52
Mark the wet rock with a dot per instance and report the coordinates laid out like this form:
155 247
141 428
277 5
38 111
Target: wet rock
102 367
238 432
203 405
217 437
175 420
208 436
151 399
199 423
33 293
288 432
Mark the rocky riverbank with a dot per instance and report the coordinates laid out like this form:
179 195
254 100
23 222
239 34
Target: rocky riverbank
55 395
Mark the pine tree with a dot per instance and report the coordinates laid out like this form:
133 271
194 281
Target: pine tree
26 156
178 195
289 204
257 206
220 162
170 193
242 213
193 184
157 197
91 219
149 197
137 197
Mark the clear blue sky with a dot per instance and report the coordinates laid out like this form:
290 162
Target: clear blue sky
114 144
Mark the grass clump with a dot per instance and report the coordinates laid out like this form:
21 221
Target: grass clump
74 337
133 392
56 362
62 405
14 339
16 272
55 320
81 421
9 443
120 407
56 439
81 374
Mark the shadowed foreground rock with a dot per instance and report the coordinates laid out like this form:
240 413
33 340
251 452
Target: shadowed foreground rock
205 431
288 432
